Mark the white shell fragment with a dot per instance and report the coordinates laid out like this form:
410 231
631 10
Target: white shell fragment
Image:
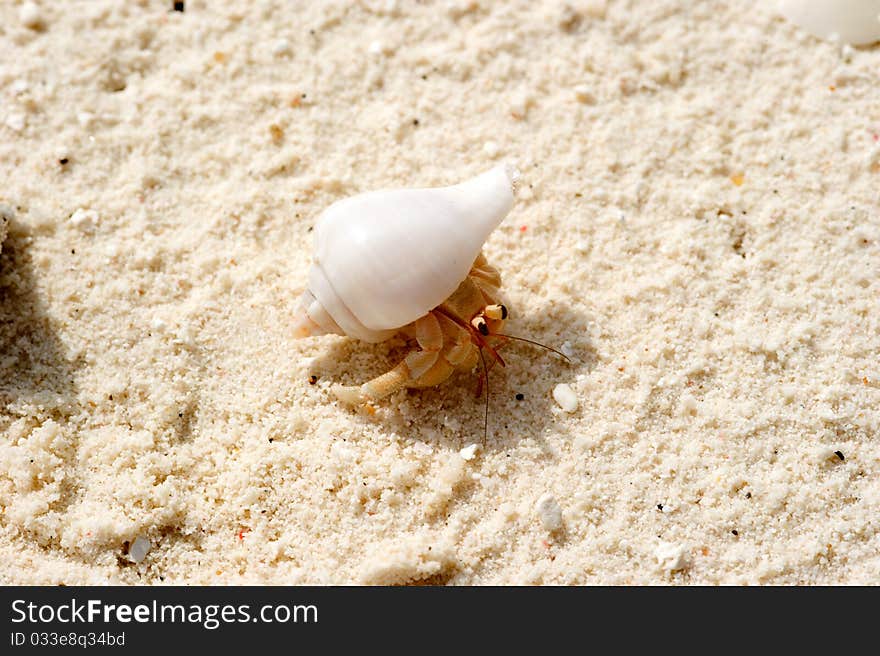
671 557
565 397
856 22
385 258
550 512
469 452
139 549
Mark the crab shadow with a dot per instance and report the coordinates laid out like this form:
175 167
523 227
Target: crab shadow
33 368
451 415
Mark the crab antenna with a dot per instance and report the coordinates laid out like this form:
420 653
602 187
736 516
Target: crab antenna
531 341
486 419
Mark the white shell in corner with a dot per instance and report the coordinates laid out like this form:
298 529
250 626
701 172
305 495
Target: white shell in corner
385 258
856 22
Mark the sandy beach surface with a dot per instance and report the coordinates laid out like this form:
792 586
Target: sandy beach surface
698 225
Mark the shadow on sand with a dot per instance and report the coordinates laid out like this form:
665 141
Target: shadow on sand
33 368
450 413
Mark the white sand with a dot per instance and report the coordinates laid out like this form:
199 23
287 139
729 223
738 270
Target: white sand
698 220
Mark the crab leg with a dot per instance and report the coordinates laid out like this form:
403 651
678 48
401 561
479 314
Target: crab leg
422 368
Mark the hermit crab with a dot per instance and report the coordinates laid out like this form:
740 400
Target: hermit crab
410 261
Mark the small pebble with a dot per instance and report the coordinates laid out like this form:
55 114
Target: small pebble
491 149
30 16
565 397
376 48
550 513
823 454
281 47
139 549
15 122
519 105
520 396
469 452
157 324
583 93
567 350
84 219
19 87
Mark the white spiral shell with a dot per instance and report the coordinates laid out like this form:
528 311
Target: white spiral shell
856 22
385 258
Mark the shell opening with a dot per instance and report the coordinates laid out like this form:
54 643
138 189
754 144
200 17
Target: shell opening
333 315
311 319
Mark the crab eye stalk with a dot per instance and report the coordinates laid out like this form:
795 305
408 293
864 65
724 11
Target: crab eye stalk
480 324
496 312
